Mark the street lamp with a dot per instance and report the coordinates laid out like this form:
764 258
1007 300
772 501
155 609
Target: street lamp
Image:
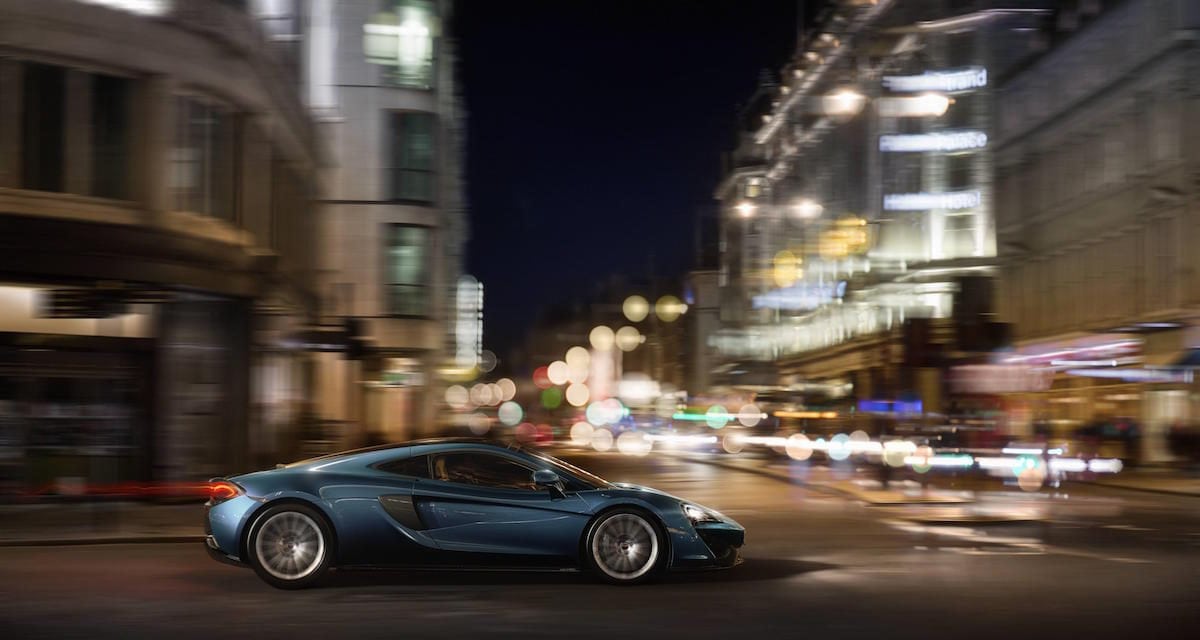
843 102
807 208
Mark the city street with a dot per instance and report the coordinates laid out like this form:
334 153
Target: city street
1097 563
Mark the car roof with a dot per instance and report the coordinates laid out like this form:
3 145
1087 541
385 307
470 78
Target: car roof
431 443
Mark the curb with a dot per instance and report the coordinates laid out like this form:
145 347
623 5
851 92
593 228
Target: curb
1125 487
66 542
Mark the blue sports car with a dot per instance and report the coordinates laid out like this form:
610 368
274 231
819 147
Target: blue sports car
457 503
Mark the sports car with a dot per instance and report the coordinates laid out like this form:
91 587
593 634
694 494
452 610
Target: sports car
461 504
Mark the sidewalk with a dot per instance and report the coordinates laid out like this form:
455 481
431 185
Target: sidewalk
101 522
1165 481
899 492
1172 481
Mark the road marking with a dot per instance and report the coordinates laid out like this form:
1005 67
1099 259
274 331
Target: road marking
1126 527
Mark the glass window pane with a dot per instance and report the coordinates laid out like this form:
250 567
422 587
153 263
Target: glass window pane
408 270
42 126
417 467
110 137
484 470
411 156
400 38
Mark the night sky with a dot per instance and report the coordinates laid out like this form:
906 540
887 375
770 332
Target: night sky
595 131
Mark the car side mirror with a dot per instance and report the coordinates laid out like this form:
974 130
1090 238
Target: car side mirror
547 479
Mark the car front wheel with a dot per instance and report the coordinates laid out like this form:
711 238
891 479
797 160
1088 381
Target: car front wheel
289 546
625 546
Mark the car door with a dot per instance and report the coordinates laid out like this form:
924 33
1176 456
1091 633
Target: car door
377 523
486 502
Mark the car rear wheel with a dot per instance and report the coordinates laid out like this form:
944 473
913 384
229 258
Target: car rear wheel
625 546
289 546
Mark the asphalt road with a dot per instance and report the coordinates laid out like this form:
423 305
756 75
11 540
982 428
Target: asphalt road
1091 564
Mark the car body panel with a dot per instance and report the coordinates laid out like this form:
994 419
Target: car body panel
381 518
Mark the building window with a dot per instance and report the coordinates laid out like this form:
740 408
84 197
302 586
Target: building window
408 270
42 127
410 165
202 159
110 137
400 38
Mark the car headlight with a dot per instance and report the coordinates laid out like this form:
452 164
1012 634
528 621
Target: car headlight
699 514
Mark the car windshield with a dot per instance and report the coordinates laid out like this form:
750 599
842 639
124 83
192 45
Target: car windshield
590 478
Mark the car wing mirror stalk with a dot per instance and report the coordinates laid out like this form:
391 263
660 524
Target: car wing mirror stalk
547 479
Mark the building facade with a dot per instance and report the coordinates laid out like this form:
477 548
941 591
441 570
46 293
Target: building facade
156 182
860 198
381 83
1097 212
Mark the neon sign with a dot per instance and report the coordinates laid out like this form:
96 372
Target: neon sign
966 79
936 141
955 200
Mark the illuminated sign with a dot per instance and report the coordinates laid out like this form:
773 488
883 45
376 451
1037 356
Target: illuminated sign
925 201
902 407
1134 375
140 7
800 296
936 141
921 106
468 330
950 81
1000 378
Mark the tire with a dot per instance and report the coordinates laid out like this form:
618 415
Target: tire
625 546
289 546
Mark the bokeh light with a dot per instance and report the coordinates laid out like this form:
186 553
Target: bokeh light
733 443
581 433
920 459
602 338
552 398
487 361
839 447
479 423
669 308
799 447
716 416
750 415
577 375
557 372
541 377
510 413
602 440
578 357
635 308
481 394
786 269
633 443
525 432
578 394
457 397
628 338
508 389
895 451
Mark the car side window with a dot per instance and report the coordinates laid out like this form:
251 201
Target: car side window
416 466
484 470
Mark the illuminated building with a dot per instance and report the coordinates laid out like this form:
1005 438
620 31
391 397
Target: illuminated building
859 199
156 176
1096 216
381 83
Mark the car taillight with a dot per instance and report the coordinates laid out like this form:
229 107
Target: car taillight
222 490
